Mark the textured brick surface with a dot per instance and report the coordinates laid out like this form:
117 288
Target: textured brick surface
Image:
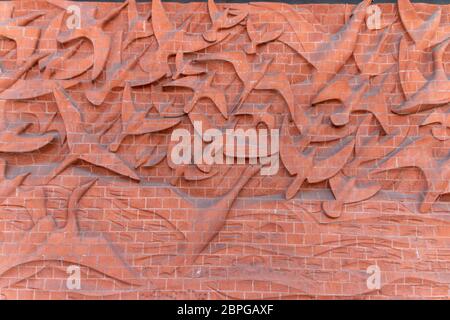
87 109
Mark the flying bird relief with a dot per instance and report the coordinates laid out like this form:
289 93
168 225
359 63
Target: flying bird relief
432 92
149 157
139 26
260 36
118 76
136 122
205 217
358 97
171 40
419 152
8 78
188 171
13 137
371 146
255 79
91 28
260 114
37 245
203 88
348 190
47 42
362 116
222 20
15 28
186 67
64 68
440 120
422 32
374 61
84 145
57 64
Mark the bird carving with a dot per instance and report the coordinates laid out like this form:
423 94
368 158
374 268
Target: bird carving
305 163
171 40
139 27
440 119
8 186
45 240
356 94
330 51
259 37
205 217
425 33
10 77
118 76
16 28
222 20
420 152
14 140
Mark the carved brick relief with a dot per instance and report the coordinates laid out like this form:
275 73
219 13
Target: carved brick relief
92 93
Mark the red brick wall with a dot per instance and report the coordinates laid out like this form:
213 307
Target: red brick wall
88 186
